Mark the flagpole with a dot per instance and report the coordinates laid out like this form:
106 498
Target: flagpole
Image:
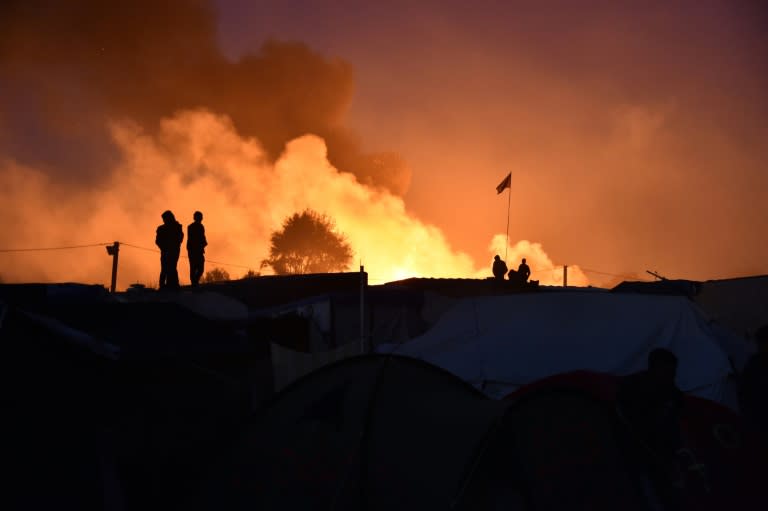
509 202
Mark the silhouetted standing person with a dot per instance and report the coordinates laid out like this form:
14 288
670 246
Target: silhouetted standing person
650 403
499 268
753 385
523 271
168 238
196 244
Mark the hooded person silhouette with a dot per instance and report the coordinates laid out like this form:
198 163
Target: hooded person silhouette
168 239
499 268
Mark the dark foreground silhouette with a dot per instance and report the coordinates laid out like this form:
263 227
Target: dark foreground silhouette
520 276
196 244
168 238
499 268
650 404
753 384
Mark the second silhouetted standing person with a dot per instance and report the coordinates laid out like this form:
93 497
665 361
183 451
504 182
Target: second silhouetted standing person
168 238
196 244
524 271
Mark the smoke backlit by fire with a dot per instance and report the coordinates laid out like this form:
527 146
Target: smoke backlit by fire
198 161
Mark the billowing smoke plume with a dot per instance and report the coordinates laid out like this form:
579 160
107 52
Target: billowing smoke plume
542 267
67 66
198 161
111 114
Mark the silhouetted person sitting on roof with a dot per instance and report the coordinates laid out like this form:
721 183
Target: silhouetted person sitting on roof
650 404
753 385
196 244
168 238
523 271
499 268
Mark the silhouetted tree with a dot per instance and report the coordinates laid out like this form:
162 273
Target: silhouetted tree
215 275
308 243
250 274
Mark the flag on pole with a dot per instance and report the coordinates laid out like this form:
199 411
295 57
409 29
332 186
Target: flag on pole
504 184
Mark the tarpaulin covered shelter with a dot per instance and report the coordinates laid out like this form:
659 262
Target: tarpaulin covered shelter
499 343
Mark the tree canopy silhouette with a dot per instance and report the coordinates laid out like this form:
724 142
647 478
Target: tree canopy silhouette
308 243
215 275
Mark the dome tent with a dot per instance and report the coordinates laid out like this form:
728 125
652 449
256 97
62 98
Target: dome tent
364 430
384 432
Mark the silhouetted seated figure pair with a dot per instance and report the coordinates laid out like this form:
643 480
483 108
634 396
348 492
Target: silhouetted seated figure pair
649 404
500 269
521 275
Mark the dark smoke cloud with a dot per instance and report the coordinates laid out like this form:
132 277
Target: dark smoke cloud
68 67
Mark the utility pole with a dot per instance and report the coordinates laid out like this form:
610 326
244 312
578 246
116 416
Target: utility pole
362 309
114 251
565 275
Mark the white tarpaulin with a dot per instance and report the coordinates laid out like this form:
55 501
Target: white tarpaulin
499 343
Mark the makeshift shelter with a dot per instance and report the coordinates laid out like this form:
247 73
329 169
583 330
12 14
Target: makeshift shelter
115 405
391 432
740 304
499 343
722 460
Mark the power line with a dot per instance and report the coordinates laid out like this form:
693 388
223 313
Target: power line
91 245
40 249
622 275
185 257
138 247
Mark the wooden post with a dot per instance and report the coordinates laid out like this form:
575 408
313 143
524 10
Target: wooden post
114 251
565 275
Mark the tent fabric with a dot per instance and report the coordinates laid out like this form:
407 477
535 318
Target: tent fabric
499 343
724 459
147 329
370 432
289 365
388 432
